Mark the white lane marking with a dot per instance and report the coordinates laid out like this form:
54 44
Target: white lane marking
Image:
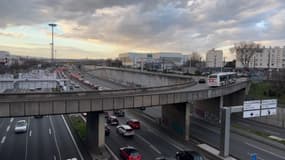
3 139
54 137
8 128
54 157
155 149
73 140
150 145
11 120
27 138
112 153
274 154
30 134
158 134
49 131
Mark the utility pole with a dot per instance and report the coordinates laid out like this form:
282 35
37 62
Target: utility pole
52 25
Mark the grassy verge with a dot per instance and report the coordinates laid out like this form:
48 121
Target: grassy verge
79 126
258 133
261 91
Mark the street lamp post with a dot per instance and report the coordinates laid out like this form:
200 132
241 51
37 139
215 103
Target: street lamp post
52 25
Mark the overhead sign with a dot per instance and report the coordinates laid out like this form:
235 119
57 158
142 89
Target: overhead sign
269 103
251 105
268 112
253 113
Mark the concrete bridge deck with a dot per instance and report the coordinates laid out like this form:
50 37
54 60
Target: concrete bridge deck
29 104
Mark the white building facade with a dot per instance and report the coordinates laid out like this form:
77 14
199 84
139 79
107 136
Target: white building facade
133 59
214 59
269 58
166 59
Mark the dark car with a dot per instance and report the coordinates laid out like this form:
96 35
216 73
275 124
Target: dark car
107 130
130 153
119 113
188 155
112 120
135 124
106 114
38 116
202 80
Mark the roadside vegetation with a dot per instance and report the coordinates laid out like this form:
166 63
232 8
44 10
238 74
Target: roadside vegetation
79 126
263 90
258 133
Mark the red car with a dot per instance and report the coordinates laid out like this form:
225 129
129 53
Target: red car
130 153
135 124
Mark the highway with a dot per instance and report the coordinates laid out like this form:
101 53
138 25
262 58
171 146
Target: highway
47 138
148 143
241 147
271 130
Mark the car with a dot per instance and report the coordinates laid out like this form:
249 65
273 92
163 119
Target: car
142 108
107 130
77 86
21 126
70 87
188 155
107 115
130 153
134 123
202 80
84 114
125 130
119 113
112 120
38 116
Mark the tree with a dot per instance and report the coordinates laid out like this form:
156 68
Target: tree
245 51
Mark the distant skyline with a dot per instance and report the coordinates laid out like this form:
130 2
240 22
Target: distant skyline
103 29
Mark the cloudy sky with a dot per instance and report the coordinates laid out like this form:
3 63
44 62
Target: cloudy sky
104 28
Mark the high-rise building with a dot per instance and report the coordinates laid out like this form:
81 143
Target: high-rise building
269 58
214 58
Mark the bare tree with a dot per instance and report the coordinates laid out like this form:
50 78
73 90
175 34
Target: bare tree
245 51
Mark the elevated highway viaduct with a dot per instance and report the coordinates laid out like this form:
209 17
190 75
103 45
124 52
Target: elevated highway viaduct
175 99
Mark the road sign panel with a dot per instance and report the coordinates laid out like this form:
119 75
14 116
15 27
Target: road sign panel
251 105
269 103
249 114
268 112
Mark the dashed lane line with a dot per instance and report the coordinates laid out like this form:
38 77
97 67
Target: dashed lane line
55 140
3 139
8 128
150 145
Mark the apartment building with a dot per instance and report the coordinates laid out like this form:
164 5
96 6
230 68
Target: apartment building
214 59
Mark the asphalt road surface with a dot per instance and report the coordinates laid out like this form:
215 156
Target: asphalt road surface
46 138
241 146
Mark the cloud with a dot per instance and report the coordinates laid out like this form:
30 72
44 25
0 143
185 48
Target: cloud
160 25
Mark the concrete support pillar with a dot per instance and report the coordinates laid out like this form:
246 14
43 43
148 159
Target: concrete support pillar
95 131
225 132
187 121
176 118
221 105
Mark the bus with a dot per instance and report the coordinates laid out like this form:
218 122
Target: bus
221 79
